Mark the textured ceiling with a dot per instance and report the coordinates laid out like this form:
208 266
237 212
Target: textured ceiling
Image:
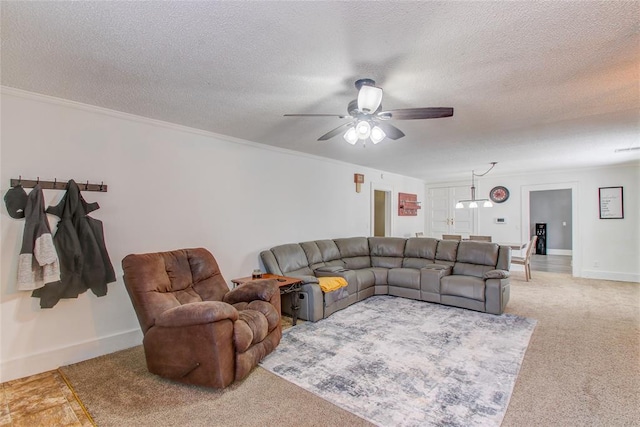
535 85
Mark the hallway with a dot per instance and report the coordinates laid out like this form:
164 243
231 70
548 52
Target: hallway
551 263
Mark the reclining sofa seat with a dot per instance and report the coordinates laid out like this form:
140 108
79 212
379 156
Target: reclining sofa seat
412 268
479 280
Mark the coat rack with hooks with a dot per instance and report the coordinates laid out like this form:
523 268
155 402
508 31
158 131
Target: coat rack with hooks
57 185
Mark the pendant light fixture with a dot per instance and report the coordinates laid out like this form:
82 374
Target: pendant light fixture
473 202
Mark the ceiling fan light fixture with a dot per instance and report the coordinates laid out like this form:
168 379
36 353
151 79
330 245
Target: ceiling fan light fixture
473 205
369 98
487 204
459 205
363 129
351 136
377 134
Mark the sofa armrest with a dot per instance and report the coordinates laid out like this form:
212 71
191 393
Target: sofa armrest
261 289
496 274
197 313
315 301
496 295
306 279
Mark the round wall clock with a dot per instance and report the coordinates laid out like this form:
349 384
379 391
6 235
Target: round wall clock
499 194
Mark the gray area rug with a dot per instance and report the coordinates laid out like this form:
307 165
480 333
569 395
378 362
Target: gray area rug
399 362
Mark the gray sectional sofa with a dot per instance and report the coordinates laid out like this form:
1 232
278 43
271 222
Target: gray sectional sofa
467 274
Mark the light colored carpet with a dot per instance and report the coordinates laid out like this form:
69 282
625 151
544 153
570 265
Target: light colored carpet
117 391
396 361
582 368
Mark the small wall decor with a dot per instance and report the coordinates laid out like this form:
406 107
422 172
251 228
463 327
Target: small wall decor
611 203
408 204
499 194
358 178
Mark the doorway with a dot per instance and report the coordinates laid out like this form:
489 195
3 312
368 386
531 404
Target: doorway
381 198
556 206
550 214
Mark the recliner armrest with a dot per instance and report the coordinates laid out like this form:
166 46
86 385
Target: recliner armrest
197 313
496 274
262 289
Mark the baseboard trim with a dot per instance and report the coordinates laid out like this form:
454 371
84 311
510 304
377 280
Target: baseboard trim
52 359
567 252
611 275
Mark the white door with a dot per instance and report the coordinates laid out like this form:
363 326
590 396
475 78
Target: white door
444 218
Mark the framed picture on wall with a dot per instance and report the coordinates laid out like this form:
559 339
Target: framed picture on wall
611 206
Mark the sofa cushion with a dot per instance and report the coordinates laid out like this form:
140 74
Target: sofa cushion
468 269
476 258
386 246
386 252
311 250
362 279
404 278
446 251
416 263
463 286
380 275
290 258
328 250
482 253
421 247
353 247
354 252
357 263
386 261
334 296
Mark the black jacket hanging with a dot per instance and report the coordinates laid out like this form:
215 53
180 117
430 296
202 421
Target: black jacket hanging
79 241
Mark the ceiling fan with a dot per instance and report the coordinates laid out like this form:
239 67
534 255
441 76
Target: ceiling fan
369 122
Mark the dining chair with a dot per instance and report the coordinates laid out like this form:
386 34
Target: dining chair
452 237
420 234
481 238
526 260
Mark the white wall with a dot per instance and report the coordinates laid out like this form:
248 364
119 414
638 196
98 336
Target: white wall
169 187
603 248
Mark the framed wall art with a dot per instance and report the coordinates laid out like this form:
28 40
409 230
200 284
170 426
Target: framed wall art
611 203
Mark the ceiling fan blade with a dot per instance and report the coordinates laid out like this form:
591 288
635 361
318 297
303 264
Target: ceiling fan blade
335 132
340 116
416 113
391 131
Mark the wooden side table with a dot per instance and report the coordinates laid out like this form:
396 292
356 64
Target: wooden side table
288 285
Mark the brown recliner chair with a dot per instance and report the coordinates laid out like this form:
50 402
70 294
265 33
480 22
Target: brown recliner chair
195 330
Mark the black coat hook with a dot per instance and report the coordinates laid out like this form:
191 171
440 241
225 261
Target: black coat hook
101 184
86 186
19 179
38 181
